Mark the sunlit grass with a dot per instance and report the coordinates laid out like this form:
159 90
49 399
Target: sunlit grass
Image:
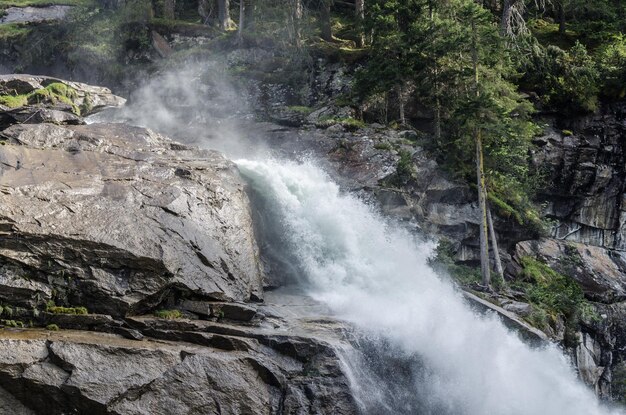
39 3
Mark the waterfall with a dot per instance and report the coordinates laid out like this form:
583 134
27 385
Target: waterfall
375 275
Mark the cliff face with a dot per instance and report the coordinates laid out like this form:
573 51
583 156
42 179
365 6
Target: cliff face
100 226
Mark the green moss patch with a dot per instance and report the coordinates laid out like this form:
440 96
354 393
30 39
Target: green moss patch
53 93
553 295
9 31
54 309
41 3
168 314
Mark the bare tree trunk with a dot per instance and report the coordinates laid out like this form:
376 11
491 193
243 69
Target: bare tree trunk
325 22
482 204
359 6
480 178
169 8
250 15
223 13
400 92
242 20
297 12
386 109
494 243
437 105
205 10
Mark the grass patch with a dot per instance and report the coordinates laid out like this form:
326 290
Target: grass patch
41 3
12 323
444 261
12 101
168 314
547 33
554 295
349 123
54 92
54 309
13 30
383 146
301 109
52 327
6 310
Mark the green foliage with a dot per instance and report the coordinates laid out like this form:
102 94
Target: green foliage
301 109
12 323
8 311
39 3
54 309
168 314
611 58
383 146
444 261
13 101
52 327
55 92
567 81
404 169
13 31
552 295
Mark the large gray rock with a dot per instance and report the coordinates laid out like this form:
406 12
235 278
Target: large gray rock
78 372
584 163
118 218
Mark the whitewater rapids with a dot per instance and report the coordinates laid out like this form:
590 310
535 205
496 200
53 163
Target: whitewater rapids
376 276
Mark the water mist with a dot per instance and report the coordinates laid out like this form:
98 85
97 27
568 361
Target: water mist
421 349
375 275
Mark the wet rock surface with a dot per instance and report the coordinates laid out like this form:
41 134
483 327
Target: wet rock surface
34 14
74 371
103 223
119 218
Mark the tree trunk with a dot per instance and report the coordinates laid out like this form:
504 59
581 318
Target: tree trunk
437 91
250 15
561 11
505 21
359 6
169 8
242 20
204 10
400 92
325 23
223 14
494 243
386 109
296 18
480 178
482 204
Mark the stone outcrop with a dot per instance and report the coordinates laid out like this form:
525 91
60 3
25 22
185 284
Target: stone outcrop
118 218
54 105
584 161
103 224
86 372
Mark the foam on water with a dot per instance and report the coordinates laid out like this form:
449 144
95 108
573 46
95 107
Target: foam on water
376 276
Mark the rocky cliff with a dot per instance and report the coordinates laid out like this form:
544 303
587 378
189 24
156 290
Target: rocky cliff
105 226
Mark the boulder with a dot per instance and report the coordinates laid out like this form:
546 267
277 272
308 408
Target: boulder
118 219
42 104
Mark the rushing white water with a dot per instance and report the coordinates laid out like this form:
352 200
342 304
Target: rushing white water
376 276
